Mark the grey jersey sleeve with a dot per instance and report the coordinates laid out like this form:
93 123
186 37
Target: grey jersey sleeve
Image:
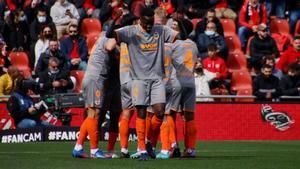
169 34
124 34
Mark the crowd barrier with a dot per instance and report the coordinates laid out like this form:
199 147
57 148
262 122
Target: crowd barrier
214 121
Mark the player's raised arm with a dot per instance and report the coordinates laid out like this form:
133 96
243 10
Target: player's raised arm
110 33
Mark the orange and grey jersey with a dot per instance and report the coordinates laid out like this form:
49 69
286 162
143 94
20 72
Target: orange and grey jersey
146 50
184 56
125 64
168 61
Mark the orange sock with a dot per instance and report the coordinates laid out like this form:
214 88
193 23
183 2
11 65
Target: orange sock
112 141
124 130
155 129
141 131
148 128
190 133
172 130
164 136
92 129
83 133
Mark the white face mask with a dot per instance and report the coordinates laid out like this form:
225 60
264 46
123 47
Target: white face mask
209 33
54 71
41 19
22 18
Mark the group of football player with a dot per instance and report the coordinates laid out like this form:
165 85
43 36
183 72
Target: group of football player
152 76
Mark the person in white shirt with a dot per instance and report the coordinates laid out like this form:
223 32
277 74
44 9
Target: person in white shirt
202 79
63 13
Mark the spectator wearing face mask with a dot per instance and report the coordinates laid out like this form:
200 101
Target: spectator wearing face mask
54 80
262 45
209 17
210 36
40 21
52 51
290 84
75 48
43 42
202 80
266 86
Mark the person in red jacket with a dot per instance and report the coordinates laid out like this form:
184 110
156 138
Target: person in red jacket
251 15
292 54
215 63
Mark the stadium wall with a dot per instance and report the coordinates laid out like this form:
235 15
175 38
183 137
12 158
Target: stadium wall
215 121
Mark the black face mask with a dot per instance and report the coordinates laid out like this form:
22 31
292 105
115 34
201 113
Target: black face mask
199 70
74 36
48 36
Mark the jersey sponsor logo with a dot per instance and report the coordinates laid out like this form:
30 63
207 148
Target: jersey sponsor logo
279 119
148 47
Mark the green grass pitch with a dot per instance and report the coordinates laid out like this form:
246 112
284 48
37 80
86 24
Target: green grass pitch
210 155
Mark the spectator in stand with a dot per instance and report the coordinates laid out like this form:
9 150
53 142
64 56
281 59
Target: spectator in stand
75 48
209 17
266 86
214 63
251 15
110 8
223 10
290 55
4 59
22 108
88 8
52 51
179 14
196 8
8 80
13 5
202 80
41 20
160 16
269 60
290 84
278 6
32 9
151 4
262 45
210 36
63 13
54 80
294 12
17 31
43 43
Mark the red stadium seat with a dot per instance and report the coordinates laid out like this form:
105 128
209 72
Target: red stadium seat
21 61
243 92
280 26
91 40
233 43
236 61
195 21
248 46
228 26
241 80
78 74
297 28
90 26
136 7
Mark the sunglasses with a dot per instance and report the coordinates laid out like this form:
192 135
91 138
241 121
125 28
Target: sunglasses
73 31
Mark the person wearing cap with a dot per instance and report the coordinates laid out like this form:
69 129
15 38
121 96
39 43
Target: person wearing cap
262 45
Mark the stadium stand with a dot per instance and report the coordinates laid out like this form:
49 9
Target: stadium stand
78 74
233 43
241 80
90 26
228 26
236 61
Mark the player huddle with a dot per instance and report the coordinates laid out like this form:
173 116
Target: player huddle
153 77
